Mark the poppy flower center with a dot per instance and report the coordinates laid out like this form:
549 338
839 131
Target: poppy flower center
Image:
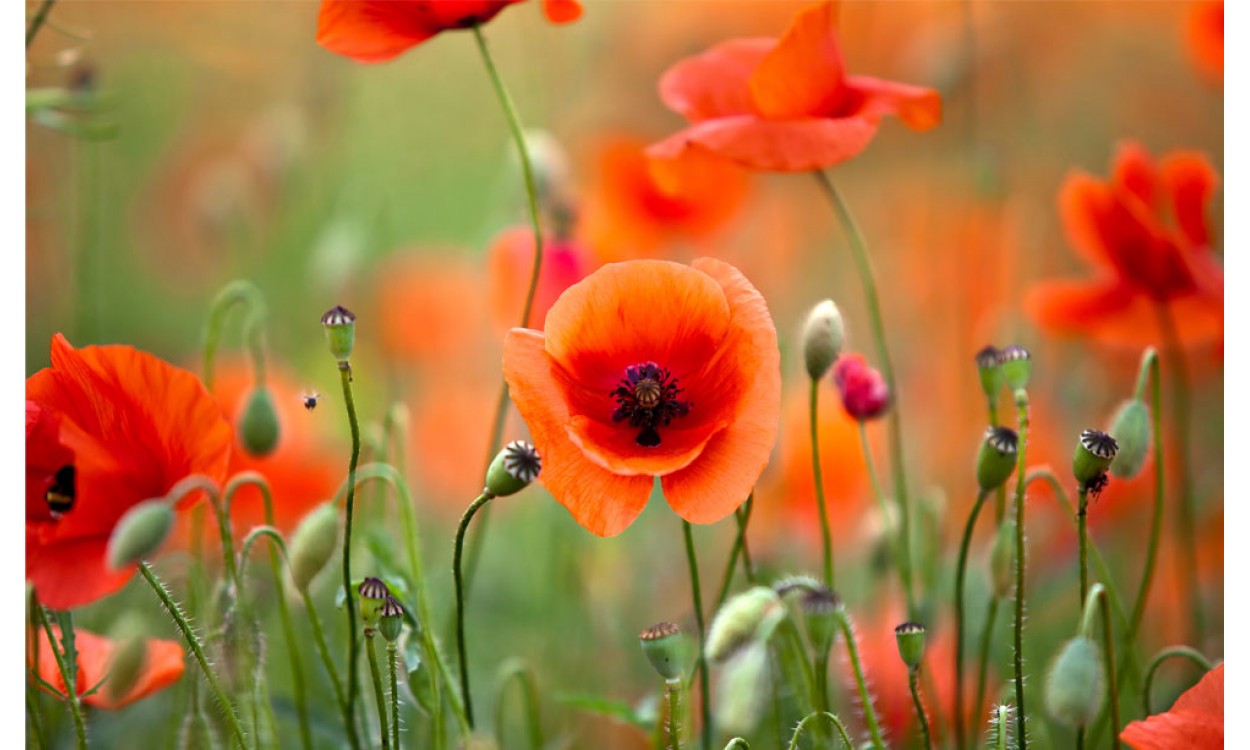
62 491
647 398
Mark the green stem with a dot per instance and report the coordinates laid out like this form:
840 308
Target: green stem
798 730
345 375
1082 533
197 649
870 714
895 544
705 708
237 292
821 666
69 675
1022 418
1002 726
863 264
319 641
378 696
1098 594
672 694
36 23
516 670
1150 367
913 682
742 516
960 571
825 535
983 659
458 577
1193 654
392 654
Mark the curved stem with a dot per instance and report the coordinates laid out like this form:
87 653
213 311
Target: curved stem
345 375
392 654
960 570
705 708
458 577
742 516
379 697
1150 366
244 292
870 714
913 682
893 542
1193 654
37 22
798 730
825 536
983 659
1098 594
516 670
201 483
1022 418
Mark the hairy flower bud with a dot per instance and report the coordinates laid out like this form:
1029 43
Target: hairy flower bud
1131 429
823 336
745 617
666 648
1074 685
139 533
258 428
313 544
126 665
513 469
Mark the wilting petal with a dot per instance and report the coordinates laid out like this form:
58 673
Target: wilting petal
798 145
715 83
919 107
802 75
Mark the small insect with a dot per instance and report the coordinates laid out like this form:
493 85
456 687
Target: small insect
61 494
310 398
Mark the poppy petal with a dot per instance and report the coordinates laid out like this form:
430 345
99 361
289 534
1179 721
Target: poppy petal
803 74
1083 203
601 502
919 107
799 145
1195 721
370 31
163 665
73 572
562 11
1133 172
1190 181
615 447
715 83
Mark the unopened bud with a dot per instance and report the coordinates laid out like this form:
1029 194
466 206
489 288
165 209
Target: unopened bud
1131 429
373 593
990 371
1094 453
1003 559
666 648
996 459
313 544
1074 685
742 690
258 429
1016 366
340 328
823 336
391 622
910 637
126 666
865 394
139 533
747 616
513 469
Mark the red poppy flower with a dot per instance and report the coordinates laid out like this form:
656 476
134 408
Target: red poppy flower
1196 721
1146 233
1204 31
134 426
163 664
785 105
650 368
377 30
511 261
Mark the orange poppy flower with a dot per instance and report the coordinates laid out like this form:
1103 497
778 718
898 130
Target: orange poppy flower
650 368
371 31
511 261
1204 31
1195 722
422 311
785 105
1146 233
163 664
134 426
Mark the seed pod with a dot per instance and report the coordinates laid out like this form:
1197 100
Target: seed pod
258 429
391 622
1131 429
313 544
139 533
820 606
989 371
1094 453
746 616
1016 366
340 328
373 594
1002 560
910 637
513 469
823 336
1074 685
996 459
666 648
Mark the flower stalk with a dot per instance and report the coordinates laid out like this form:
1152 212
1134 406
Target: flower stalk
458 576
705 707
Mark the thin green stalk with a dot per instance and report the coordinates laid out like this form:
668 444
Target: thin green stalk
863 263
826 536
960 570
197 649
895 543
1150 366
913 682
821 666
1193 654
345 375
36 23
742 516
378 696
516 670
458 578
983 658
32 712
1001 721
319 641
798 730
392 656
705 708
870 713
1098 593
1022 417
1082 514
672 695
69 675
237 292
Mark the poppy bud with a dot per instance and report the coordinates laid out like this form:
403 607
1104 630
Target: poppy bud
313 544
139 532
990 371
666 648
1002 560
513 469
1131 429
742 690
910 637
258 429
865 394
392 619
747 616
1074 685
126 666
1016 366
373 593
823 336
340 328
996 459
1094 453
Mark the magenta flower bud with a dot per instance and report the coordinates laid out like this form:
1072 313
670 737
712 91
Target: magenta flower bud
865 394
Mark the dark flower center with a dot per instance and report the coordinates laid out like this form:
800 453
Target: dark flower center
62 491
647 397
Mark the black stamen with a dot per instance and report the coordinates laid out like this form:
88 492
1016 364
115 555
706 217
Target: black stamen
62 492
647 397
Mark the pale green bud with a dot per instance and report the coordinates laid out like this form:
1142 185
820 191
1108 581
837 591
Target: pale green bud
139 533
1074 685
258 429
823 337
745 617
1131 429
313 544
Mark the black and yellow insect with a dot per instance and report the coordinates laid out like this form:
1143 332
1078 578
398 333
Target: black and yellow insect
62 492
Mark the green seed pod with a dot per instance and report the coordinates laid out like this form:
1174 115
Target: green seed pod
1094 453
139 533
340 328
989 371
373 593
1131 429
996 460
1016 366
1074 685
1002 560
910 637
313 544
820 607
258 429
745 617
392 619
823 337
666 648
126 666
513 469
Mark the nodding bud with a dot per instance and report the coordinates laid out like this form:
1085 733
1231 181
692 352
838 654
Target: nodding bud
139 533
1003 560
666 648
373 594
1131 429
1016 365
910 637
742 691
258 428
391 621
996 459
313 544
1074 685
513 469
990 371
340 328
1094 453
126 666
748 616
551 168
865 394
823 336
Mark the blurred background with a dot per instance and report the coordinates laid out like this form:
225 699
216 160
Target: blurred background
222 142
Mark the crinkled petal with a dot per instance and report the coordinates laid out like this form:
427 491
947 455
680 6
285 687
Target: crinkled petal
1195 722
715 83
803 74
799 145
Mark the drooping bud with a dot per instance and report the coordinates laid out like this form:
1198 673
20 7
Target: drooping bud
1094 453
865 394
258 428
373 593
313 544
340 328
996 459
990 371
391 622
1131 429
747 616
1016 366
1003 559
126 665
139 533
910 637
666 648
823 336
796 584
741 690
513 469
1074 685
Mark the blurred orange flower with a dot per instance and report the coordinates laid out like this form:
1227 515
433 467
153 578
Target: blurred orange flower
135 426
371 31
1146 233
510 264
1195 722
650 368
785 105
163 664
1204 31
426 309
